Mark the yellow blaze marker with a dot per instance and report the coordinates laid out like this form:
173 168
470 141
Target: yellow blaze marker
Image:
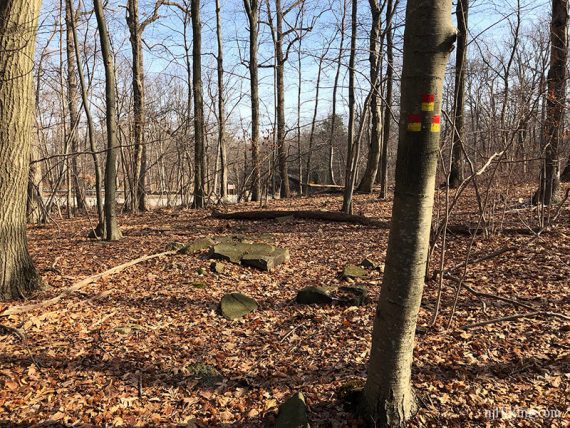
435 124
414 123
428 102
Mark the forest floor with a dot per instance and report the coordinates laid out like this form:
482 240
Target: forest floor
121 351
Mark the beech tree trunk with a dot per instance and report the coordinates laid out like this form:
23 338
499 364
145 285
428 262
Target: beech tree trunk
428 41
199 153
18 25
112 231
456 173
252 10
375 146
548 191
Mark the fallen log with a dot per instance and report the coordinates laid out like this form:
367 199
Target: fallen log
330 216
15 310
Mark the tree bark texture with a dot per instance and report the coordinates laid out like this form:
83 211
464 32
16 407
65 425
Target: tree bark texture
112 231
280 65
18 26
199 152
456 173
428 41
549 189
375 146
252 10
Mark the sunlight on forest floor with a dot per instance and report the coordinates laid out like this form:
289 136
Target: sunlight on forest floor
122 351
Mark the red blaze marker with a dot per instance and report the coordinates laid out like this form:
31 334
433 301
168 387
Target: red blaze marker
428 102
414 123
435 124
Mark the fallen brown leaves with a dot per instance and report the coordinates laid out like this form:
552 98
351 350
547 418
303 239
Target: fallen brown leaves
119 351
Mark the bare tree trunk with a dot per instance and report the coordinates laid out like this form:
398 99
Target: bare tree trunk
351 154
90 129
132 18
280 65
334 96
252 10
456 173
221 108
18 25
136 30
375 147
112 231
72 97
199 153
313 126
390 10
428 41
35 208
549 188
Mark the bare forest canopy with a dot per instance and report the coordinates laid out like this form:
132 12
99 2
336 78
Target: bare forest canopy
504 106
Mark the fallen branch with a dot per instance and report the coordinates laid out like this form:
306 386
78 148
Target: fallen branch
330 216
483 258
78 285
515 317
480 294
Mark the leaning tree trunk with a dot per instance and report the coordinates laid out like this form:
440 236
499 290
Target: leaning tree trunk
549 188
375 147
199 153
428 41
18 25
112 231
456 172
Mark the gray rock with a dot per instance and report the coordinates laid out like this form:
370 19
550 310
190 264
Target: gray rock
353 295
217 267
259 255
236 305
293 413
313 296
197 245
267 260
175 246
368 264
353 271
208 376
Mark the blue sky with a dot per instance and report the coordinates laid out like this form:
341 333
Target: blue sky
489 23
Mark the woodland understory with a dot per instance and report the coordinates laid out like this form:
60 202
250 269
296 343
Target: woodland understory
116 352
